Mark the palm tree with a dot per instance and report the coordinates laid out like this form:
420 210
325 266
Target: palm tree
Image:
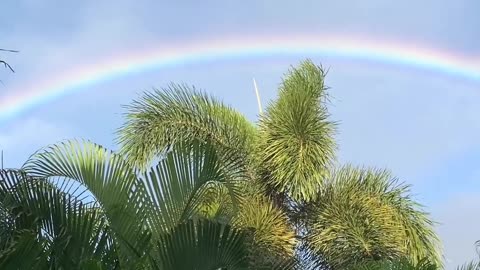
79 206
289 163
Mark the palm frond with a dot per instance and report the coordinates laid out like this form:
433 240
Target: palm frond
295 145
272 231
180 113
67 231
111 180
203 245
178 185
24 252
400 264
366 214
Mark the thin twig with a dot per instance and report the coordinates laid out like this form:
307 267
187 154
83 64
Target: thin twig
12 51
7 65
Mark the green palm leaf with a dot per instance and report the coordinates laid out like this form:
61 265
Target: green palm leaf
401 264
179 113
272 231
23 252
367 214
162 198
203 245
179 183
296 146
113 184
65 230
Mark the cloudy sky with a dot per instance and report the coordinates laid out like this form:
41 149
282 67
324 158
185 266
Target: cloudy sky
421 125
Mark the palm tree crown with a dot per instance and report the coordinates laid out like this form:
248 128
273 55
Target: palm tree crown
195 185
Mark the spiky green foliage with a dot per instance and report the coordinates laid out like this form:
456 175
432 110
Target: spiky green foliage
274 238
400 264
295 145
272 230
133 220
365 214
290 155
200 187
181 113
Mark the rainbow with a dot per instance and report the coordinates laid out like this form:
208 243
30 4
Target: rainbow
392 53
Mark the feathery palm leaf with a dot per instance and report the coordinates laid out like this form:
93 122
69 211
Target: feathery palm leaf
400 264
272 230
366 214
180 113
295 145
274 238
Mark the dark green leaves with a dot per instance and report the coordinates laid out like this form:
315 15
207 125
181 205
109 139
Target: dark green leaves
400 264
203 245
50 225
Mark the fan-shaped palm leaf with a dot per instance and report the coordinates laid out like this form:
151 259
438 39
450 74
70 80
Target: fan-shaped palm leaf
178 184
23 252
111 180
203 245
135 205
67 232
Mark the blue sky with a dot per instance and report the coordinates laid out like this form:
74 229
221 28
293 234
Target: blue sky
421 125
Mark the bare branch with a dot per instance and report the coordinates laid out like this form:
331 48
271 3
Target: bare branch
12 51
7 65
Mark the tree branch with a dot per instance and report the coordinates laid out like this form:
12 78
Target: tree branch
12 51
5 63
